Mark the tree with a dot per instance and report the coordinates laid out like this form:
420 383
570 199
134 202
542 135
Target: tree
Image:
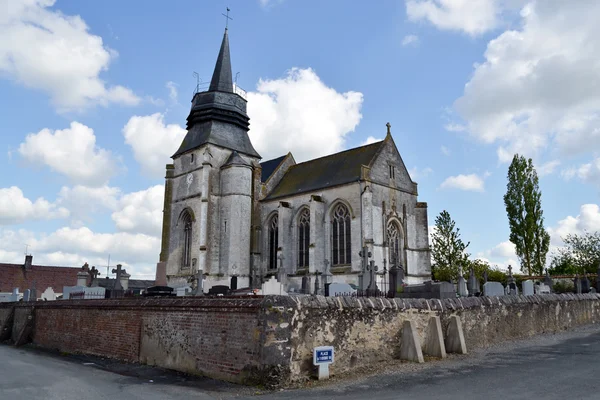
448 250
523 201
580 254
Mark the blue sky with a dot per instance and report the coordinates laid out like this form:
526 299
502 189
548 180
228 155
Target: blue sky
95 95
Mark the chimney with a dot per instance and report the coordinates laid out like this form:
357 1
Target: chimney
28 261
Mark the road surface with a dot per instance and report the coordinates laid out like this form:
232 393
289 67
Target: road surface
549 367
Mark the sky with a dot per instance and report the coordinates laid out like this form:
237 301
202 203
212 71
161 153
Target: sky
94 98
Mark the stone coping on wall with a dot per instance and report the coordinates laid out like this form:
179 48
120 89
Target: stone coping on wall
251 304
310 301
428 305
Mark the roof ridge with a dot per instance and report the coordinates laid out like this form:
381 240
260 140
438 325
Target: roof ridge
379 142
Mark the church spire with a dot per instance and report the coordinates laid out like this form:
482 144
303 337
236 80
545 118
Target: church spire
221 80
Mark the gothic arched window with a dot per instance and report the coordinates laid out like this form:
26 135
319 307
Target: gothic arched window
340 221
186 259
394 238
273 241
303 237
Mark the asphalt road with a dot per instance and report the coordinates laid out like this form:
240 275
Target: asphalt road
547 367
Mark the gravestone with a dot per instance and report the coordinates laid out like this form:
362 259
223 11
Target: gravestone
493 289
49 294
527 287
548 281
219 290
577 285
234 282
183 291
462 287
542 288
585 284
340 289
473 284
305 283
512 289
15 295
485 276
273 287
118 271
27 295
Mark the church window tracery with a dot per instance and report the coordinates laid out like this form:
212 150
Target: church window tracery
341 235
395 241
273 241
186 259
303 238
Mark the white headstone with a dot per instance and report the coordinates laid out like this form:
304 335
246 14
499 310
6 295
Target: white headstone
15 295
184 291
49 294
26 295
493 289
462 287
527 288
272 286
340 289
542 288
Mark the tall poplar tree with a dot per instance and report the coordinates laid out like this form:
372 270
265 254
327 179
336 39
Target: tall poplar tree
448 250
523 201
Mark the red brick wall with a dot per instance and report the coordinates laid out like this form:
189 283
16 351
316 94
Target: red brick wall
219 338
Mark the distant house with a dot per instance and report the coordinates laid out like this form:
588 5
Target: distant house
41 277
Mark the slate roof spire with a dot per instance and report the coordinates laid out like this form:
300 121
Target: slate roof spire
221 80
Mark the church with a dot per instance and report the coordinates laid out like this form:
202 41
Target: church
238 221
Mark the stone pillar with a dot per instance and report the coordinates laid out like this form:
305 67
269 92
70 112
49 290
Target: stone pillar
367 214
161 274
285 238
316 250
82 278
204 199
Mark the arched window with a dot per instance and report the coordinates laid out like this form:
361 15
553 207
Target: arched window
394 238
340 220
186 259
273 241
303 238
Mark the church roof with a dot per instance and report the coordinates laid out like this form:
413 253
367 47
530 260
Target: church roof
320 173
268 167
221 79
236 159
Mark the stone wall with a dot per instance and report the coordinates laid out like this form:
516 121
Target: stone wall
270 340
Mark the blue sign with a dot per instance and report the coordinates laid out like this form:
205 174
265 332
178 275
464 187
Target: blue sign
323 355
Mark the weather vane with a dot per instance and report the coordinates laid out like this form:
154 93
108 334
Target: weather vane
227 18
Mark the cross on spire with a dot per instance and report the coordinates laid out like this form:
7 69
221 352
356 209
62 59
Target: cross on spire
227 18
389 128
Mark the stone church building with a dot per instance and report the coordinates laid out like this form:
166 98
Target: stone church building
228 214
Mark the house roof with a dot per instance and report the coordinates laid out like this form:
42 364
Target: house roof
268 167
335 169
17 276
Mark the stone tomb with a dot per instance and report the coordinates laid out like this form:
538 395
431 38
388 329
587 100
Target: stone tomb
493 289
527 288
340 289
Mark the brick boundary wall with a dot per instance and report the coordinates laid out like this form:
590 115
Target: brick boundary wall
269 340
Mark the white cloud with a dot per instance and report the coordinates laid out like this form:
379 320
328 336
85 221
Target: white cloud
503 250
589 172
141 212
473 17
82 201
173 93
454 127
536 88
416 173
410 40
548 168
153 142
445 151
269 3
472 182
370 140
15 208
72 247
587 220
42 48
71 152
299 113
